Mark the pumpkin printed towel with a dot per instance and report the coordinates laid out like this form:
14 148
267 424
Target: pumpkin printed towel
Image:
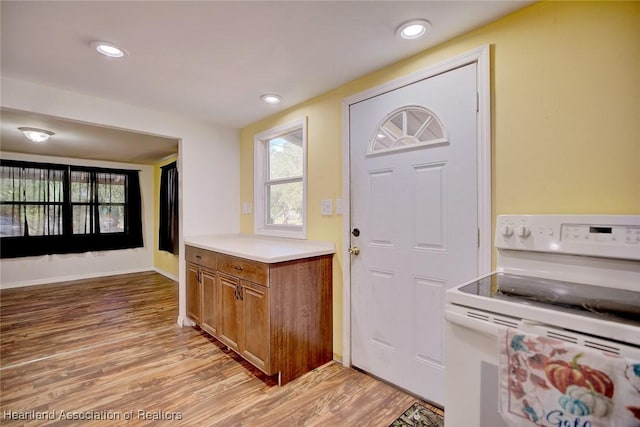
552 383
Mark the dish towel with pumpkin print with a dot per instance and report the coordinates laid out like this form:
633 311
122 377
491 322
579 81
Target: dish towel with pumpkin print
552 383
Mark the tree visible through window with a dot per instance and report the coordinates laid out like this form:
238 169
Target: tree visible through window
280 181
284 185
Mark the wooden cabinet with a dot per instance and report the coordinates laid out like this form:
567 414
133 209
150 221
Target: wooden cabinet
202 289
229 312
244 323
256 345
277 316
194 292
209 316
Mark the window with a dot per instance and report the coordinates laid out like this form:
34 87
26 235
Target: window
280 181
407 128
51 208
97 202
31 201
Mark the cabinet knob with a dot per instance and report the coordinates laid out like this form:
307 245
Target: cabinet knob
238 268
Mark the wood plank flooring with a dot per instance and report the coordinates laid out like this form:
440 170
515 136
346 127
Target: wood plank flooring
110 349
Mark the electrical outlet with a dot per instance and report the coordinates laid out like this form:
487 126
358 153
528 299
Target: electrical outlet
326 207
247 208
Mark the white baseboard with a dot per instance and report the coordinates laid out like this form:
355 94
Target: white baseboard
184 322
51 280
165 274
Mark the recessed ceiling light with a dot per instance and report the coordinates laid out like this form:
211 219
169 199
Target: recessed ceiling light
36 135
414 29
108 49
271 98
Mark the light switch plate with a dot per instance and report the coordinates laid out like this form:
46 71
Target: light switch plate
247 208
326 207
339 207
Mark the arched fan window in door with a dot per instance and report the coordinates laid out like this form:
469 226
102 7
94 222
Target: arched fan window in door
407 127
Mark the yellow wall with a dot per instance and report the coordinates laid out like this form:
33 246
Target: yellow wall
161 260
565 118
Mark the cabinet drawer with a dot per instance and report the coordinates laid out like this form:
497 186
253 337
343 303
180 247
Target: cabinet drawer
253 271
201 257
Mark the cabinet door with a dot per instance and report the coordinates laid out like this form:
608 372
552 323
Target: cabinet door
193 293
256 342
230 312
210 301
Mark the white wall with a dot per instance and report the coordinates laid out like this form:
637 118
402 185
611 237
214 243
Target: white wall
27 271
208 155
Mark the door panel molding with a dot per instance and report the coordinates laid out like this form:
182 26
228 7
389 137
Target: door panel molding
430 239
481 57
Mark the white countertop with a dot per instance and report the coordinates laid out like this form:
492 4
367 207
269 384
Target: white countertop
261 248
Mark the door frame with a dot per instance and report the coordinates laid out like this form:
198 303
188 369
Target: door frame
481 57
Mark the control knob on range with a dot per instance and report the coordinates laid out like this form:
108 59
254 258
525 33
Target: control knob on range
506 231
523 231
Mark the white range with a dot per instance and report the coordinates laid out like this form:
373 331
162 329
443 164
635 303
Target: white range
571 277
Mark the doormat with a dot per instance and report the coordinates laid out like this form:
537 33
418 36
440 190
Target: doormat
419 416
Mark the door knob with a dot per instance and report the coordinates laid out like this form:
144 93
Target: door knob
354 250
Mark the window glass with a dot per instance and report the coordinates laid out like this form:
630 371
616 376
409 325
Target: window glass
285 156
111 219
279 187
111 188
98 202
407 127
30 201
111 201
285 203
80 187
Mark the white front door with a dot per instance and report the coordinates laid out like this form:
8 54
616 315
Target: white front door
414 202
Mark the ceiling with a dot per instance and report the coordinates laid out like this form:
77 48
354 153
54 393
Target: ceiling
82 140
212 60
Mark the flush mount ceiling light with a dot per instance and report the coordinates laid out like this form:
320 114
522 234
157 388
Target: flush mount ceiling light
271 98
109 49
414 29
36 135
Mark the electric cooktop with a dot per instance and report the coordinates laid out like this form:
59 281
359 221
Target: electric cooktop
617 305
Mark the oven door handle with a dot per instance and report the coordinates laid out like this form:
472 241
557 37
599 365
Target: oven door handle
531 325
482 326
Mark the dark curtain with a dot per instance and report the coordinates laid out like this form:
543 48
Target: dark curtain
58 209
168 232
134 211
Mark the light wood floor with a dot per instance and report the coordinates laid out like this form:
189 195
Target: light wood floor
111 348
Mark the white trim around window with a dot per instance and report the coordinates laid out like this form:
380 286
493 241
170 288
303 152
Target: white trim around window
264 181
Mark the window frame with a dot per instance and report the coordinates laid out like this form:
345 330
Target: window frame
94 204
60 203
69 242
261 224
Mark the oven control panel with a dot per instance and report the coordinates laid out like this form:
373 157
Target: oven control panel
610 236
